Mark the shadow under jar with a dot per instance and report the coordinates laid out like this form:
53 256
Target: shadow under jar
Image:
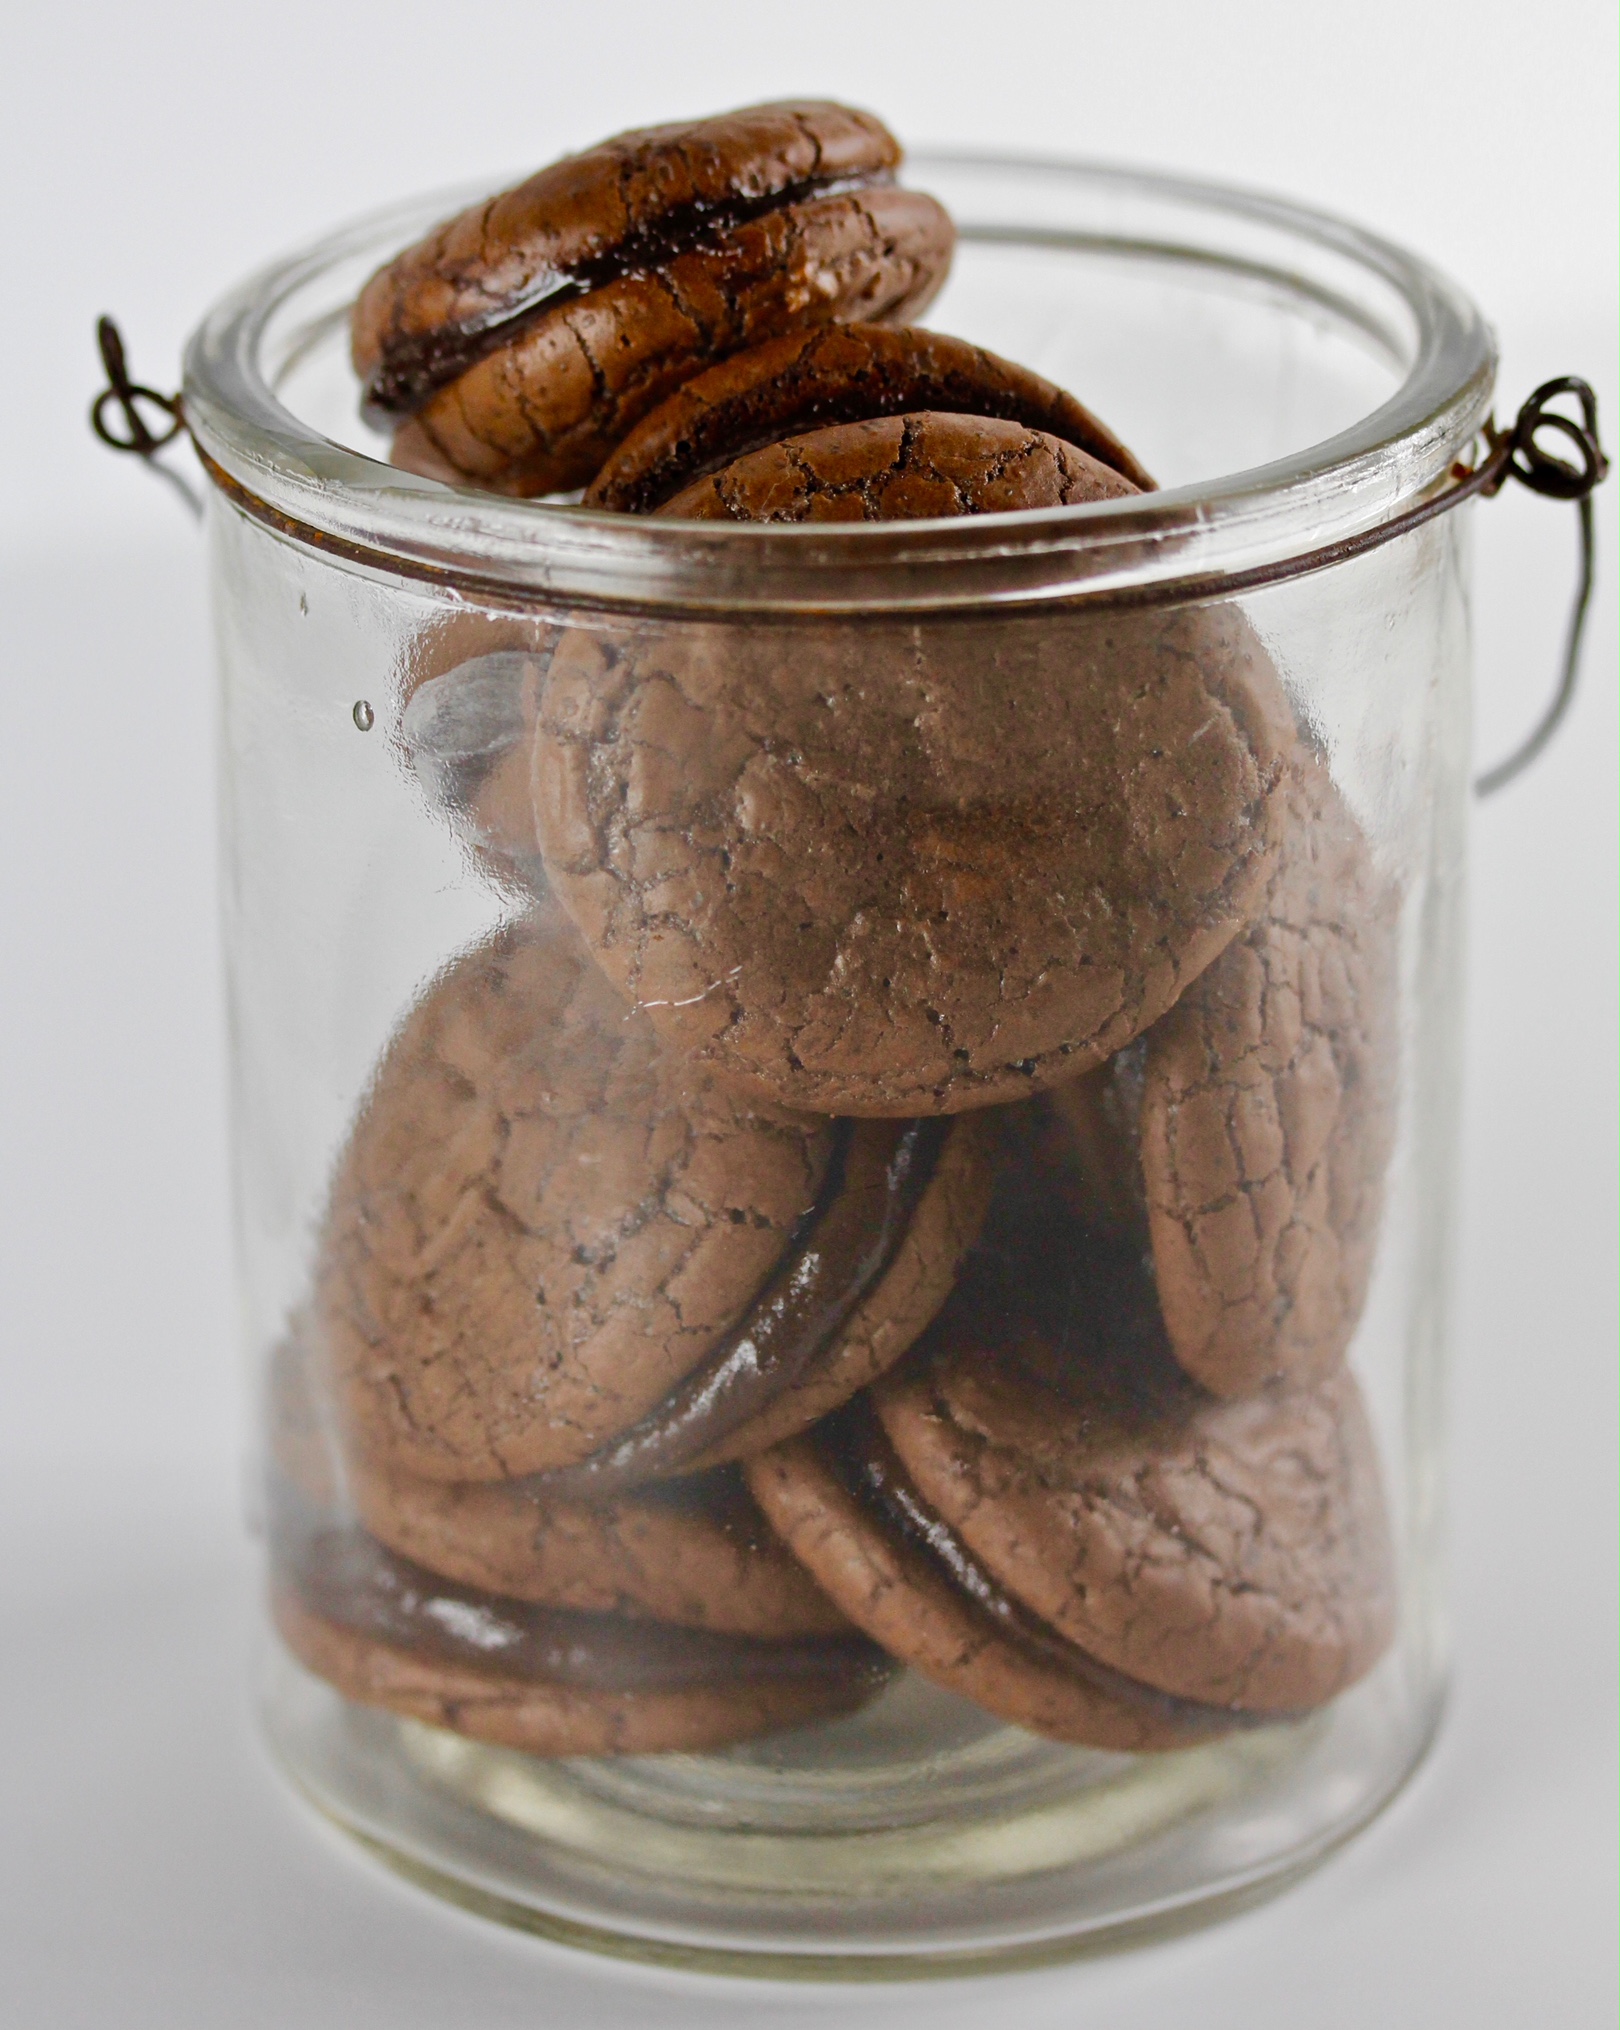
844 1136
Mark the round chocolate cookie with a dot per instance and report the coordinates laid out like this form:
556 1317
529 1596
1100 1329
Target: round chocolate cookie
553 1247
1048 1516
910 866
841 373
517 343
1247 1134
1268 1114
674 1620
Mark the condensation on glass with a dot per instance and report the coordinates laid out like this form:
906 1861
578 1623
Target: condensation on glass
719 1505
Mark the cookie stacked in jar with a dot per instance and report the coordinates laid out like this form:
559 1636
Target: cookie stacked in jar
899 1187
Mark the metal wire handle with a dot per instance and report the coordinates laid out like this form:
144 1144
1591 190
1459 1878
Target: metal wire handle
1509 454
1523 459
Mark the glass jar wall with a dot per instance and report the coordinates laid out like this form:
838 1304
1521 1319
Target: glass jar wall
844 1139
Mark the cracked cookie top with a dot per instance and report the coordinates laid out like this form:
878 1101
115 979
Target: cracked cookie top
1269 1111
900 468
885 866
1246 1136
1043 1511
542 1220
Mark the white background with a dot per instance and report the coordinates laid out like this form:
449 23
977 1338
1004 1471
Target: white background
152 1873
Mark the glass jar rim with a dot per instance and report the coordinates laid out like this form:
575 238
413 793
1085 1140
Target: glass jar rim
1275 520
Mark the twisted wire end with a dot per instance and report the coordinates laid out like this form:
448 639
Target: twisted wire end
127 397
1516 455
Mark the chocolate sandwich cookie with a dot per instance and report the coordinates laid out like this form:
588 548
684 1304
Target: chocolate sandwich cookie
560 1630
1047 1515
555 1248
517 343
1248 1133
389 1633
842 373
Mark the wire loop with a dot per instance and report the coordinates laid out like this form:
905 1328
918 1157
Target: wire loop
129 395
1519 456
1542 471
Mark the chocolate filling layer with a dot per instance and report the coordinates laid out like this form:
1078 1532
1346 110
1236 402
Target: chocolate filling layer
855 1444
346 1577
843 1244
841 374
413 368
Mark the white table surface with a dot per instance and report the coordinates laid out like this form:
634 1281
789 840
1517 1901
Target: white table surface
154 1873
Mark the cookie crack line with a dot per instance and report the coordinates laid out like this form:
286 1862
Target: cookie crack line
845 1242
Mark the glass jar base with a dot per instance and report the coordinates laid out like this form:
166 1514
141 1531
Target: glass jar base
825 1855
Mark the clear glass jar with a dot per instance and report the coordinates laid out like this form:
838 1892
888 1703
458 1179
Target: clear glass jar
610 903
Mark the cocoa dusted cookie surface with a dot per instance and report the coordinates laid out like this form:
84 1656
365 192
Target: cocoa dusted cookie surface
516 344
555 1248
